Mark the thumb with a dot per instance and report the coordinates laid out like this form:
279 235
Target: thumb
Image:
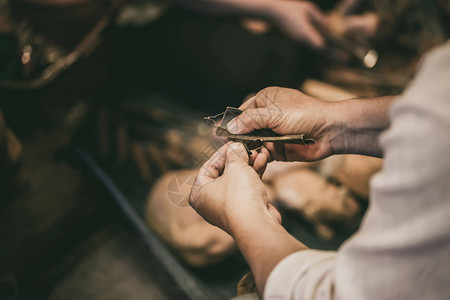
236 156
250 120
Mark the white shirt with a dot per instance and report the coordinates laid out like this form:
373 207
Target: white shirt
402 250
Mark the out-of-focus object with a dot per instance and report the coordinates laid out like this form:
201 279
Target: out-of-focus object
139 13
412 26
52 35
49 68
358 27
355 173
255 26
246 285
10 146
43 61
351 31
189 235
366 56
63 22
276 168
369 83
325 91
323 192
318 201
10 154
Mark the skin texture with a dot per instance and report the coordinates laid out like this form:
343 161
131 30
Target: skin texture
337 127
242 210
228 191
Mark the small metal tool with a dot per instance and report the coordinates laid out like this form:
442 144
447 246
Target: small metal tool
256 138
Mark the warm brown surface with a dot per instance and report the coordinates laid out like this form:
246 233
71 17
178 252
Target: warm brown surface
61 236
169 214
117 269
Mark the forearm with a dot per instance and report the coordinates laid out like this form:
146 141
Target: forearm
251 8
357 124
264 243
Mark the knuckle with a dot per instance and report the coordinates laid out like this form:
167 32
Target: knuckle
194 196
247 118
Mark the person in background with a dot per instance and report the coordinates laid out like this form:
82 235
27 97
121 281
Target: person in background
402 249
302 21
215 52
298 19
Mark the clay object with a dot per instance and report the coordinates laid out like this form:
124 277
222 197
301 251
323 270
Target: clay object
317 200
168 213
277 168
356 172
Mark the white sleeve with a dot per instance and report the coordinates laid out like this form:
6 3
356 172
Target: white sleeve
305 274
402 250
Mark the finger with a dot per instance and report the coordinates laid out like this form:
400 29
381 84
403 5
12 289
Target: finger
248 97
236 155
203 198
276 151
252 157
250 120
267 153
249 103
261 99
260 164
212 168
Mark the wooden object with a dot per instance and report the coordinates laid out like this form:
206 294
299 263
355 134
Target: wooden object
317 200
187 233
141 162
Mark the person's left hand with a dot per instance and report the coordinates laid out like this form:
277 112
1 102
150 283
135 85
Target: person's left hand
228 191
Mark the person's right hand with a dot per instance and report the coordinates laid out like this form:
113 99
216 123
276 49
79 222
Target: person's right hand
288 111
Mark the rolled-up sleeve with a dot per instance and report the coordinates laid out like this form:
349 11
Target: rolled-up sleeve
402 250
306 274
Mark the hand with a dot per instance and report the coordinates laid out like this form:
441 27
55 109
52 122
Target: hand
228 192
288 111
299 20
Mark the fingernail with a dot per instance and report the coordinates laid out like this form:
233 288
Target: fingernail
235 146
232 127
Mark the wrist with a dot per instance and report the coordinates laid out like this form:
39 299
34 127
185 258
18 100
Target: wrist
338 127
356 125
264 244
244 223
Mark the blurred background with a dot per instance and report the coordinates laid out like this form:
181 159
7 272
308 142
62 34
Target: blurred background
101 132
